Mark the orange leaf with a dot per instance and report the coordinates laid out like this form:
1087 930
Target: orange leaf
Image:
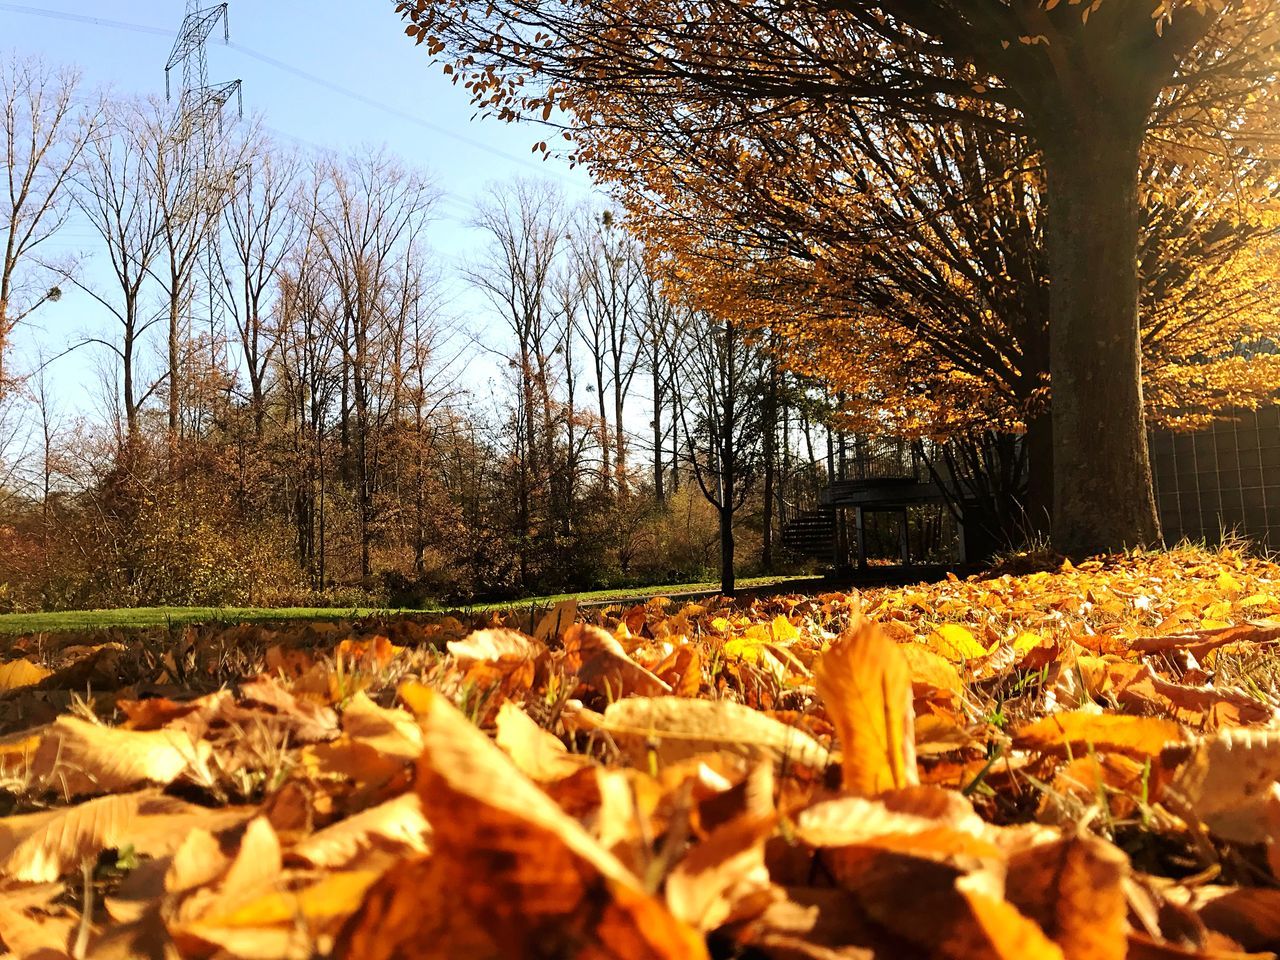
865 682
1080 732
1075 889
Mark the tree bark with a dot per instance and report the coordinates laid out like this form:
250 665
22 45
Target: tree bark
1102 473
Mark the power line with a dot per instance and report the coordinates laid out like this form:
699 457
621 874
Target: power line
301 74
81 18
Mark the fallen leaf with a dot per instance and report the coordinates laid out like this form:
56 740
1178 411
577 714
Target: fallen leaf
41 847
77 757
676 728
509 852
496 645
1075 890
1078 733
865 682
539 755
556 620
396 824
956 643
21 673
1226 783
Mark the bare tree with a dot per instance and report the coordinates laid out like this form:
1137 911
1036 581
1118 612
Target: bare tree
116 192
369 225
306 363
191 172
612 274
262 228
659 333
44 134
723 374
525 226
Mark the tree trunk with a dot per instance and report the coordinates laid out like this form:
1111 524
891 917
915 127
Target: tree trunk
659 494
1102 474
727 583
770 468
175 324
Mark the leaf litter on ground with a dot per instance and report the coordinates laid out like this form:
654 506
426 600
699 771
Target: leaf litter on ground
1080 763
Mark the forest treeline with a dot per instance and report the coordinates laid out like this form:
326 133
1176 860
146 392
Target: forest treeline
293 412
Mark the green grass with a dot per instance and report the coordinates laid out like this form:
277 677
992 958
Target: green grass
179 616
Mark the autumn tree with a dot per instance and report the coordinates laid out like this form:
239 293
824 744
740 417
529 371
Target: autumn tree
1082 80
928 243
43 133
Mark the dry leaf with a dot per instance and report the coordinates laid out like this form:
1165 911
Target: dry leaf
556 620
397 824
76 757
676 728
538 754
1079 733
42 847
865 682
21 673
509 852
1226 783
1075 890
494 646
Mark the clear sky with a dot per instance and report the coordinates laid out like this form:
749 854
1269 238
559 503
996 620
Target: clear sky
331 74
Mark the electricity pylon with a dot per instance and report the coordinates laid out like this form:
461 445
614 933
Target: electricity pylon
200 103
197 125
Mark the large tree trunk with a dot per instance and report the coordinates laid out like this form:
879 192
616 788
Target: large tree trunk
1102 495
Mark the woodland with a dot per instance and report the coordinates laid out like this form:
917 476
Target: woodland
999 241
288 413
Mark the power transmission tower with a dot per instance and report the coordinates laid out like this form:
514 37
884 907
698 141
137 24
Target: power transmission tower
200 103
197 126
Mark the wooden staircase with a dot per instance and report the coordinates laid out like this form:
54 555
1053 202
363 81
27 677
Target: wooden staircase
812 533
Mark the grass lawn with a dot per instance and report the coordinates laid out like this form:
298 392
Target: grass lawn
177 616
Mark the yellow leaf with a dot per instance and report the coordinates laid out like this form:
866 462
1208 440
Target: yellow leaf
1026 641
956 642
538 754
20 673
929 669
335 895
783 630
1229 584
865 682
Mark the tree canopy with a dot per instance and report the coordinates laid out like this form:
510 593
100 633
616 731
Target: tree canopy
664 91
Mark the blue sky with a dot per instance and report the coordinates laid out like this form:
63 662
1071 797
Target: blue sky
400 99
